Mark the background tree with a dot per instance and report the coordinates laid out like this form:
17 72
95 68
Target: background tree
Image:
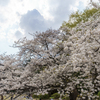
66 61
77 17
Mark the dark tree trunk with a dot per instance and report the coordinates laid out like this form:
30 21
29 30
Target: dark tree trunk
11 98
1 97
74 95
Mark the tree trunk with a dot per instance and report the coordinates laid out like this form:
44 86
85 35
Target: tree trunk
11 97
1 97
74 95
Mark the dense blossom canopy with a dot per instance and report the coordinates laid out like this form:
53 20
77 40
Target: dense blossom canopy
60 60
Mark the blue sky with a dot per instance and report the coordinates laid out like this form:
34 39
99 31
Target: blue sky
20 17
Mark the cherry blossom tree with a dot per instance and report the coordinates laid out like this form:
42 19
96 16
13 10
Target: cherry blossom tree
63 60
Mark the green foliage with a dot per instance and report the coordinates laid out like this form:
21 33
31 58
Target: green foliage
35 96
99 94
55 96
51 97
77 17
65 98
46 96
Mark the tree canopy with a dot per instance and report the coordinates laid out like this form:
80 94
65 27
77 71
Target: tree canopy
65 61
77 17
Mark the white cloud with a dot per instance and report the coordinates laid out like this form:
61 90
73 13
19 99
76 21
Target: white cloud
18 17
32 21
4 2
57 11
18 34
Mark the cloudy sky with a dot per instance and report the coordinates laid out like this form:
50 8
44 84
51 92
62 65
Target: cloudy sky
18 18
